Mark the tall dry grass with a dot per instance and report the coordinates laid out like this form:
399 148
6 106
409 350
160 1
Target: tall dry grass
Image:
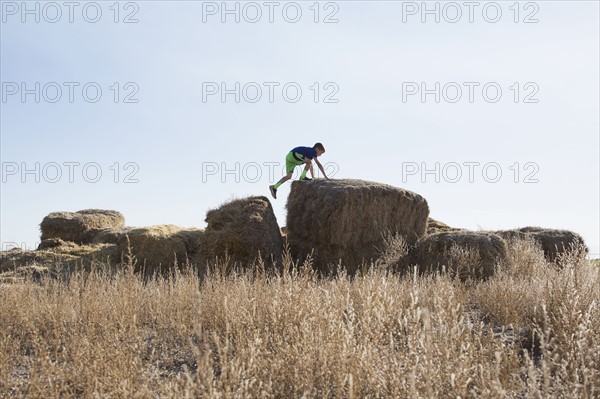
532 330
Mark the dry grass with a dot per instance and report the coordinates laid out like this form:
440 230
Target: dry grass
530 331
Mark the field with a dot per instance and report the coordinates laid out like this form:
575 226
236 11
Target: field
530 331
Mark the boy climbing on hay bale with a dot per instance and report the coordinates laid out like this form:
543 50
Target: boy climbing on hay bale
297 157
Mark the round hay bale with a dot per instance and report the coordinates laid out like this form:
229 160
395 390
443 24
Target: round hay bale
241 229
80 227
553 242
156 248
466 253
348 220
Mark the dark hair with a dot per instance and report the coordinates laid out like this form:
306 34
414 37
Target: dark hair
319 146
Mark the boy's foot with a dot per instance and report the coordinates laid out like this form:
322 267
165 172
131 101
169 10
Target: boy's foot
273 191
306 178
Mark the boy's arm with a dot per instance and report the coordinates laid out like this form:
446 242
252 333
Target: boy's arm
321 168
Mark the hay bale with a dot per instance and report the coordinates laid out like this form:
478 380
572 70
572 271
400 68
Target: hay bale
16 258
242 229
157 247
80 227
83 253
435 226
60 258
50 243
348 220
467 253
553 242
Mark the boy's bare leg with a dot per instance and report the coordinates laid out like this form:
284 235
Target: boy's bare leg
283 180
275 186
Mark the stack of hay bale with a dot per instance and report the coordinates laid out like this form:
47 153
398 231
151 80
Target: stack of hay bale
89 234
345 222
241 230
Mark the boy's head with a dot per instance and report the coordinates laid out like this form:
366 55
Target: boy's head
319 148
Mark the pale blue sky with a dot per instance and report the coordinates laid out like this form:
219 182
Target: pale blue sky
370 133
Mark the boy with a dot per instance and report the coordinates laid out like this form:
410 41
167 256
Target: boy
297 157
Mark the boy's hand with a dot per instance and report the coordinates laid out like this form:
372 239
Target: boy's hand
322 169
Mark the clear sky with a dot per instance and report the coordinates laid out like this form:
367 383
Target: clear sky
491 112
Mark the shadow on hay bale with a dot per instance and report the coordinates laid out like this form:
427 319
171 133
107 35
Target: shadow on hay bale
110 236
553 242
80 227
465 253
349 220
241 230
102 252
156 248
